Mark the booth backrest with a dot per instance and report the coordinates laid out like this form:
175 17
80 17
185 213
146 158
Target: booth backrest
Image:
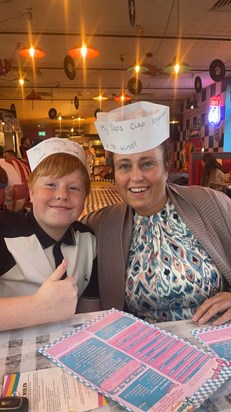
196 168
226 163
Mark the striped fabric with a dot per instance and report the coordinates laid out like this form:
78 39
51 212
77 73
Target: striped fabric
22 169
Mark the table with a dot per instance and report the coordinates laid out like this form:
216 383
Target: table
18 353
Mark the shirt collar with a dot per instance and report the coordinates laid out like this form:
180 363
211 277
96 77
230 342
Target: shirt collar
45 240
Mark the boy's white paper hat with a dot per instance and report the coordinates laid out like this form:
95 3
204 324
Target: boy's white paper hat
134 128
55 145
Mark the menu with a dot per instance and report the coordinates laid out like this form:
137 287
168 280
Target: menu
52 390
216 339
138 365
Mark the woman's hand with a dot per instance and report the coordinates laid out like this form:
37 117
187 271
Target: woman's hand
220 304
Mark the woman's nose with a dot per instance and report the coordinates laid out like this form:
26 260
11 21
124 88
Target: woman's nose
136 174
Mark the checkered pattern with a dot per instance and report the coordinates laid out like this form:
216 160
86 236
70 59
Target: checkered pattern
101 195
212 138
209 387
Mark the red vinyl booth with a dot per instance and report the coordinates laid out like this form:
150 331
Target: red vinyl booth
196 169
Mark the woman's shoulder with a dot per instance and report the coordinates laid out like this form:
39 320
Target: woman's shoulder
110 213
196 193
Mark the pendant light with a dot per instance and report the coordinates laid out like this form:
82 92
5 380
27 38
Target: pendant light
176 66
83 50
122 97
100 97
31 50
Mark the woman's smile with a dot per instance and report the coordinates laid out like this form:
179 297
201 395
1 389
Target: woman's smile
141 180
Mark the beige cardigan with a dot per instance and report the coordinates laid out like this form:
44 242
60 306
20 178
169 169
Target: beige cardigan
206 212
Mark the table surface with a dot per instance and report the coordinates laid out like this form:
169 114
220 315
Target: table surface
18 353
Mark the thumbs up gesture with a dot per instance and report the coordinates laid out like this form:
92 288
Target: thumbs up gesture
57 299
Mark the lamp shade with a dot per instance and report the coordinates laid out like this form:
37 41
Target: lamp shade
138 68
33 96
33 52
83 51
176 67
122 98
174 120
100 98
192 104
21 81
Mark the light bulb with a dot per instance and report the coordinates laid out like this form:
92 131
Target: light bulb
83 51
177 68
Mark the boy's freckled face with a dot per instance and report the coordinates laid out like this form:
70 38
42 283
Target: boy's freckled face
58 202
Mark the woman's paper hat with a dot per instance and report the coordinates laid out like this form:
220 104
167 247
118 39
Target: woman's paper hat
134 128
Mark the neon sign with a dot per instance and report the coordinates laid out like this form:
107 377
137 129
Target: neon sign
214 115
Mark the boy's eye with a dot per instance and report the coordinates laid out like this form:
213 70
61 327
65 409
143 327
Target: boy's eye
73 188
50 184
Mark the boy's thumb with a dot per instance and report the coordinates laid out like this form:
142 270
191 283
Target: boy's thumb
58 273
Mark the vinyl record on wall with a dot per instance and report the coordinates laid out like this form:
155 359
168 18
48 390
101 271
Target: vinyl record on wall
69 67
132 12
217 70
198 84
76 102
52 113
134 86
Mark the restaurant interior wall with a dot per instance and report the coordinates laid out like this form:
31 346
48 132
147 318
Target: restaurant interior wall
195 127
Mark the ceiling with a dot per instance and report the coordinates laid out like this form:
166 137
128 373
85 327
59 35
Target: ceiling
56 26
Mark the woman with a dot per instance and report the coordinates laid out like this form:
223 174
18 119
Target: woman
164 254
47 257
213 171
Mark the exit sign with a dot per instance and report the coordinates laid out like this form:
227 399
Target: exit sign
40 133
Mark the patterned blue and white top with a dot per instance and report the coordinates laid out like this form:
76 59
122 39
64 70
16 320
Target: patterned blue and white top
169 274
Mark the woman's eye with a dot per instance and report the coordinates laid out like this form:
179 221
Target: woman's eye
147 165
123 166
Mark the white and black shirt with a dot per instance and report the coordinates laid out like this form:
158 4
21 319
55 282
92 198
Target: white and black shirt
28 256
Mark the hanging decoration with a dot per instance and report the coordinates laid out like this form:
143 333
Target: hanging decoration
214 114
52 113
5 67
134 86
69 67
198 84
76 102
217 70
132 12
